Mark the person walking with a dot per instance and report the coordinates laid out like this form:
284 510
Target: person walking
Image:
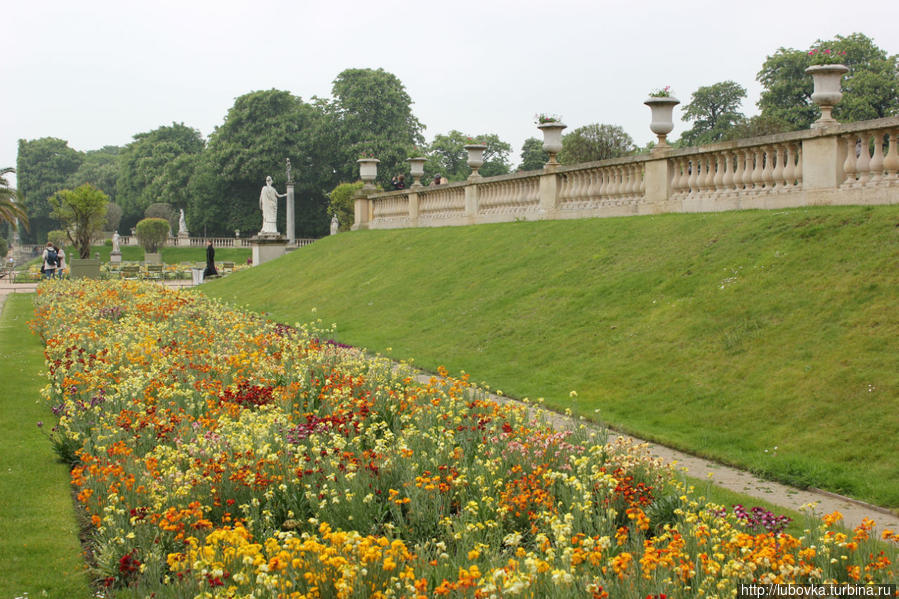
51 259
60 262
210 261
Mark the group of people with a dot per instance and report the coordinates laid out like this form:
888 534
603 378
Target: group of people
399 181
54 265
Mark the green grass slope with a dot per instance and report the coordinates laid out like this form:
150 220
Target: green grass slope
765 339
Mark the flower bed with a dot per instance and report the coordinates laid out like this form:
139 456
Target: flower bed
216 454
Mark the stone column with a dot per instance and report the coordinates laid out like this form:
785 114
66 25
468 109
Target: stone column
549 193
413 208
362 209
822 168
657 183
472 202
291 216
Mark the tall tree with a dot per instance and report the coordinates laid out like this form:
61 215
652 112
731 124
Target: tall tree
261 130
533 156
43 167
373 114
713 109
447 155
150 163
100 168
10 210
595 142
870 89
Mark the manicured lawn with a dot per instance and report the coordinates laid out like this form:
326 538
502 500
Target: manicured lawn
39 549
171 255
725 335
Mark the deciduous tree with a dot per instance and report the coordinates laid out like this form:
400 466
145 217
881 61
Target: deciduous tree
43 167
533 156
82 212
714 110
595 142
447 155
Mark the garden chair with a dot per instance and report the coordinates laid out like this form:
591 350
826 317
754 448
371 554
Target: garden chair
154 272
227 267
130 272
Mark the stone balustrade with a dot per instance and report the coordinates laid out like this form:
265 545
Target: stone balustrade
855 163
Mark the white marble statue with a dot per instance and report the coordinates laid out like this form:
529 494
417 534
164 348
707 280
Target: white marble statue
335 225
182 224
115 241
268 203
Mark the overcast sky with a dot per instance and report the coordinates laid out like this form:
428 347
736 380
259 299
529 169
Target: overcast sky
96 72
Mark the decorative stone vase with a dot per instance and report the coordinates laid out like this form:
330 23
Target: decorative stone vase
368 171
417 168
662 123
552 140
828 92
475 158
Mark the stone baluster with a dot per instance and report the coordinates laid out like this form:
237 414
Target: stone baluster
768 172
876 166
594 184
789 169
739 169
748 168
693 178
891 162
863 163
615 190
849 166
702 171
758 169
778 172
681 184
636 179
718 174
727 180
798 173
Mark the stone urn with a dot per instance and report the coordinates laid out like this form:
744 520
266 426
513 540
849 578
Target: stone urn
828 92
552 139
417 168
662 123
475 158
368 171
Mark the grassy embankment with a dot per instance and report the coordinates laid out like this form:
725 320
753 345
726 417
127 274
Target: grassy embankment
39 549
768 340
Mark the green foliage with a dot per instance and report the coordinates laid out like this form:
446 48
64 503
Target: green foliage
152 234
10 210
595 142
261 130
113 217
100 168
768 327
164 211
714 110
156 167
756 126
343 205
870 89
4 247
447 155
82 212
533 156
43 167
372 112
58 238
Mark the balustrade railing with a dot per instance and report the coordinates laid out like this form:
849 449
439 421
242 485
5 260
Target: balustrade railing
855 163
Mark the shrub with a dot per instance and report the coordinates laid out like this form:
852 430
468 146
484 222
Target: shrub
165 211
152 234
342 203
57 237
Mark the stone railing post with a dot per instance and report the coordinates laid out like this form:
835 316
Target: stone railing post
413 207
822 163
471 202
549 194
657 180
361 210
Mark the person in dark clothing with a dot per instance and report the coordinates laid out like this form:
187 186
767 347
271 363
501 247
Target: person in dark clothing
210 261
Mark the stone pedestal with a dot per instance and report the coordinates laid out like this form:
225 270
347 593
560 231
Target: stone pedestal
290 214
115 257
183 240
267 248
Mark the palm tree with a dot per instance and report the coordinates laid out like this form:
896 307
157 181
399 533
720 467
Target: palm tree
9 209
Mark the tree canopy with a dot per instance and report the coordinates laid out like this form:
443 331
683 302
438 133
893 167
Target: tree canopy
447 155
870 88
714 110
533 156
43 167
595 142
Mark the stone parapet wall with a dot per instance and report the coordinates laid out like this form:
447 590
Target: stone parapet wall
851 164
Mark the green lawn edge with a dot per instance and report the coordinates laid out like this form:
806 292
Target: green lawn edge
768 340
40 553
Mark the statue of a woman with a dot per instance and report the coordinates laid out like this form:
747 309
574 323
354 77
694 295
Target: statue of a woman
115 241
182 224
268 203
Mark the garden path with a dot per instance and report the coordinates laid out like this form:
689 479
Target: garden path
743 482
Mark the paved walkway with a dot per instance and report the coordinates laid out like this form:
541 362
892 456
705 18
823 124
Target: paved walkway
723 476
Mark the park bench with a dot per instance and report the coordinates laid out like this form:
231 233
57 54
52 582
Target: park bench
227 267
130 272
154 272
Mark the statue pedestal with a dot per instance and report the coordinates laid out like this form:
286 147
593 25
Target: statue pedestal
267 246
115 257
183 240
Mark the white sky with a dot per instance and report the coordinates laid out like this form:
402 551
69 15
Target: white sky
96 72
